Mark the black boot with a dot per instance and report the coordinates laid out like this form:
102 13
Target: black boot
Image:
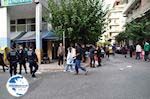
33 76
3 69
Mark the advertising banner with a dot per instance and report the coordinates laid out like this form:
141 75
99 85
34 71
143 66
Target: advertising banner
14 2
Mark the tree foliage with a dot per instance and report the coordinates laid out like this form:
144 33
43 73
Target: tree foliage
79 19
137 30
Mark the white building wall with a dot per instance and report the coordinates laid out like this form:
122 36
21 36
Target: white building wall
116 23
5 27
139 12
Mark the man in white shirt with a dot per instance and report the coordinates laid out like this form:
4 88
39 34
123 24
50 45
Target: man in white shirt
138 51
70 58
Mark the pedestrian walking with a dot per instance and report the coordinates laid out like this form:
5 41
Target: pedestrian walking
146 50
138 51
131 49
2 62
92 61
142 54
96 58
114 49
13 59
32 59
60 54
22 59
107 51
125 51
70 58
98 54
87 55
79 59
102 52
83 53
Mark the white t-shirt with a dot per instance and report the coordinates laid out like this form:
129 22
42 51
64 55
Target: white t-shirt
71 55
138 48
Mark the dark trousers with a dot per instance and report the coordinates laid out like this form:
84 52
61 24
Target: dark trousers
2 62
131 54
3 66
24 65
13 68
102 55
33 67
138 55
78 66
92 62
146 55
60 59
107 53
99 61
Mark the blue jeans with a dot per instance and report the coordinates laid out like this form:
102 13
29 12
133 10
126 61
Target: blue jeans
78 66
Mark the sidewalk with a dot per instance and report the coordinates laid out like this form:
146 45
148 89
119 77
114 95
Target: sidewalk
50 67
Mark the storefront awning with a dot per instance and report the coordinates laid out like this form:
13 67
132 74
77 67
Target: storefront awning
31 36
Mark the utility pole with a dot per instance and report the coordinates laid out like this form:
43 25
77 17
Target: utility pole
64 44
64 38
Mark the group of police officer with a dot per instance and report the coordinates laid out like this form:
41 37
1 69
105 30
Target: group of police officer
22 56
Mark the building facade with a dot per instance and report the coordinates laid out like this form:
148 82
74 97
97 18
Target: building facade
136 9
115 22
18 16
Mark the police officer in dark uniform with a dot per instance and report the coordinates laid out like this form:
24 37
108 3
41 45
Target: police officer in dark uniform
13 59
32 59
22 59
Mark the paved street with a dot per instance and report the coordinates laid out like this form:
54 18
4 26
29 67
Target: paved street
118 78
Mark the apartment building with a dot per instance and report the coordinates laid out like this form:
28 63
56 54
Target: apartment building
137 9
115 20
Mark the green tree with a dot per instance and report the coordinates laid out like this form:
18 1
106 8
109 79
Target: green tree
79 19
137 30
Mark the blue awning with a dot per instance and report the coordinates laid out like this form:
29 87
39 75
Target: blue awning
31 36
48 35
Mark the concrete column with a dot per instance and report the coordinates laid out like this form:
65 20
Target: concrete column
38 29
4 28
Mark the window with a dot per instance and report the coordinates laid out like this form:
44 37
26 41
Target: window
31 28
21 21
21 28
12 22
110 27
117 2
29 21
110 34
13 28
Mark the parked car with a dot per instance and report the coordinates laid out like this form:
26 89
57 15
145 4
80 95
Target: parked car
118 50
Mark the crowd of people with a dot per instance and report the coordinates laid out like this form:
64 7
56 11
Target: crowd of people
140 51
93 54
20 56
77 53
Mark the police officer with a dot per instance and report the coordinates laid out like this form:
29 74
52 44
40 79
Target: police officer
32 59
13 59
22 59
